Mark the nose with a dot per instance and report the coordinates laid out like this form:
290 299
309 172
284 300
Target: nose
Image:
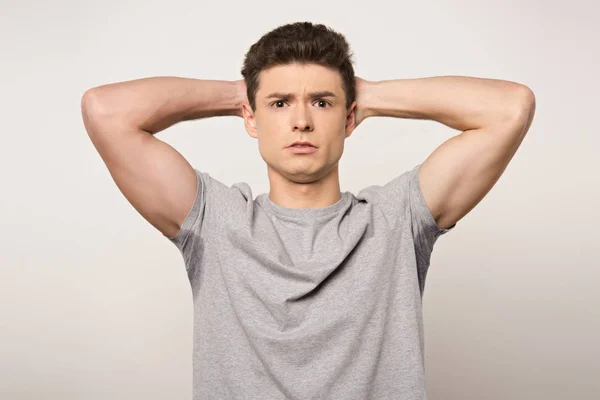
302 119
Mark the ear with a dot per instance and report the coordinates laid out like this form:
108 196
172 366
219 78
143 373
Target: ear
351 119
249 120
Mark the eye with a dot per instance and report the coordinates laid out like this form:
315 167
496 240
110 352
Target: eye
325 103
278 102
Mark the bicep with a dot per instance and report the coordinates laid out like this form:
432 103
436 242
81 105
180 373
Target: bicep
461 171
154 177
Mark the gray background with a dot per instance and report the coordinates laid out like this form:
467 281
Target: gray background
95 303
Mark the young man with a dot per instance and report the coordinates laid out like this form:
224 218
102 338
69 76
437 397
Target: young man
306 292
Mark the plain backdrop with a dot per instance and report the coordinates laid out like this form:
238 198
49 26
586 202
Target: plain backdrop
94 301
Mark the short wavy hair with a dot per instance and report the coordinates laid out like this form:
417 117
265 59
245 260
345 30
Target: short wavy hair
300 42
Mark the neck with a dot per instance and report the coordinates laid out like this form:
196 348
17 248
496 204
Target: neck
304 194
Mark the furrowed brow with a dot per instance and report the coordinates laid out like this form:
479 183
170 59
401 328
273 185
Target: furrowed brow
313 95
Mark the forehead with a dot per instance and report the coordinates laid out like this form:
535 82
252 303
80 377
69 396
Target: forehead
299 78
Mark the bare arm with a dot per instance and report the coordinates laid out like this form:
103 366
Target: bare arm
494 116
121 120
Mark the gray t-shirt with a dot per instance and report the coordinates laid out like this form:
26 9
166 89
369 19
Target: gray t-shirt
321 303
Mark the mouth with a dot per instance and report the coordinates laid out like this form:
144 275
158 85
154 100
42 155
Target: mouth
302 144
302 148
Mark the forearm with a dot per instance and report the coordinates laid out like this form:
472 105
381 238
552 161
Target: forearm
456 101
153 104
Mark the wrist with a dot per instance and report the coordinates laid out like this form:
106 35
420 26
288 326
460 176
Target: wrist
240 96
368 92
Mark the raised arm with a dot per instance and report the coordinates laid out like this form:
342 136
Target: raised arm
493 115
121 120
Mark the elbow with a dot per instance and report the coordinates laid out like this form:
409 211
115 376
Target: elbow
523 112
522 105
525 100
91 102
95 112
96 104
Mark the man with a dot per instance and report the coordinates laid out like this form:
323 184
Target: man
306 292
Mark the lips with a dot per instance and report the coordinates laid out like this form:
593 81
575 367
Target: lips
301 144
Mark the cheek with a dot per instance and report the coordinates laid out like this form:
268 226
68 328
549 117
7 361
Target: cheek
336 147
270 145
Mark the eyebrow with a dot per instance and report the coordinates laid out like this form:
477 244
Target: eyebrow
313 95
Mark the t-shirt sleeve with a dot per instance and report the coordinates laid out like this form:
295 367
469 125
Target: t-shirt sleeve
424 228
403 198
190 237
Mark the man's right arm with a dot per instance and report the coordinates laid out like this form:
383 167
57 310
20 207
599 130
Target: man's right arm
121 120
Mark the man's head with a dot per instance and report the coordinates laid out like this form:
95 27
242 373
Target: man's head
301 87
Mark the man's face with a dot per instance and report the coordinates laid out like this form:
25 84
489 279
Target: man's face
297 102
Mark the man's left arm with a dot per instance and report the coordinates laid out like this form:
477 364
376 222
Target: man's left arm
493 115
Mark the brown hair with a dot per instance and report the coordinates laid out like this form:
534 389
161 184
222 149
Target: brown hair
299 42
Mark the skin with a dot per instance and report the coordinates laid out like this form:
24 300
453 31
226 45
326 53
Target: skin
301 180
122 118
493 115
